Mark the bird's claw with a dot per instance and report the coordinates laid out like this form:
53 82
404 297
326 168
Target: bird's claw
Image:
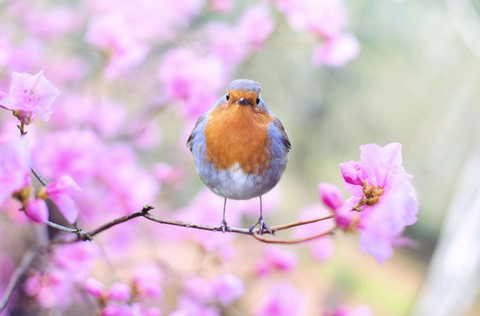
263 226
224 227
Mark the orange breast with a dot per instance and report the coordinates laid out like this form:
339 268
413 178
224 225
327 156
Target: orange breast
238 134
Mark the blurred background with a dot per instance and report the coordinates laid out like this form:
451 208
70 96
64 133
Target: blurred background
134 77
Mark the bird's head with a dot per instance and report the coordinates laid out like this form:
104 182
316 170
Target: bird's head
243 92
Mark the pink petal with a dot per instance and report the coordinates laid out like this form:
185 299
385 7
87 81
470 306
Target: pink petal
330 194
37 211
94 287
119 292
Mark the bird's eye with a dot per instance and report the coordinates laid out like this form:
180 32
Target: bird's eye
227 96
258 100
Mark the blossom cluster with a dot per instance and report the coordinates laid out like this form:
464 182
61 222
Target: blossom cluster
114 69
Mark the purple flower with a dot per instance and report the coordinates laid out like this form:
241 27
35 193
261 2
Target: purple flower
62 191
31 94
380 184
330 195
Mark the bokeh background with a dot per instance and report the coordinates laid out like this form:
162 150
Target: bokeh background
413 81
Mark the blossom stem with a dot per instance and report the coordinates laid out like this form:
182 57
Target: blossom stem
292 241
25 263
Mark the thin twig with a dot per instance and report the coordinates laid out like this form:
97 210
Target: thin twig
38 176
293 241
17 275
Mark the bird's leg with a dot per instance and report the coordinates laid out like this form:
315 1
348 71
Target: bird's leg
224 226
262 223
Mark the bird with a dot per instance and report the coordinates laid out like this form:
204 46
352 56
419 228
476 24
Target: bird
239 147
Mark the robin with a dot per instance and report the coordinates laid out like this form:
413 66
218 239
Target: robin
240 148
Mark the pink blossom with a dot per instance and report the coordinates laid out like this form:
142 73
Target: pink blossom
25 56
63 191
50 24
76 259
325 18
119 292
337 51
192 80
153 311
166 173
147 280
31 94
37 210
330 195
226 253
112 34
256 25
108 118
189 307
198 289
227 288
282 300
225 42
322 248
391 207
94 287
278 259
5 50
14 168
221 5
362 310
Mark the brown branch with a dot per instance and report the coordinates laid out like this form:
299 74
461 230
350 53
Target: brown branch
292 241
17 275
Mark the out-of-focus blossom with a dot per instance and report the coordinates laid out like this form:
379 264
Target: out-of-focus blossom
362 310
147 135
227 42
26 56
388 194
282 300
147 280
111 34
108 118
52 23
198 289
226 253
337 51
31 94
119 292
227 288
275 258
94 287
256 25
321 248
221 5
166 173
76 259
63 191
50 289
5 50
14 168
325 18
37 210
192 80
330 195
189 307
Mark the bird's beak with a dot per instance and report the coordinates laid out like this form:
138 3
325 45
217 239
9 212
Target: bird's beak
242 101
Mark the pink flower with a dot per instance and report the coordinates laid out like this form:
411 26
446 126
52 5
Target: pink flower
256 25
166 173
362 310
50 24
31 94
62 191
147 281
227 288
337 51
112 34
76 259
282 300
37 210
94 287
192 80
224 41
325 18
278 259
119 292
390 203
321 249
221 5
330 195
14 168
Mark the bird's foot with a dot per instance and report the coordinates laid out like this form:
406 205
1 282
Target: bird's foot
224 227
263 226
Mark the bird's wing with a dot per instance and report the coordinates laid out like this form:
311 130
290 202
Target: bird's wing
192 135
286 142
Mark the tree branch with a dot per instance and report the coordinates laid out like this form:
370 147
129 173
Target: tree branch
17 275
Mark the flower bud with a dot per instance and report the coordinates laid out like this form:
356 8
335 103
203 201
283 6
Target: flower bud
352 172
330 195
37 211
119 292
94 287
